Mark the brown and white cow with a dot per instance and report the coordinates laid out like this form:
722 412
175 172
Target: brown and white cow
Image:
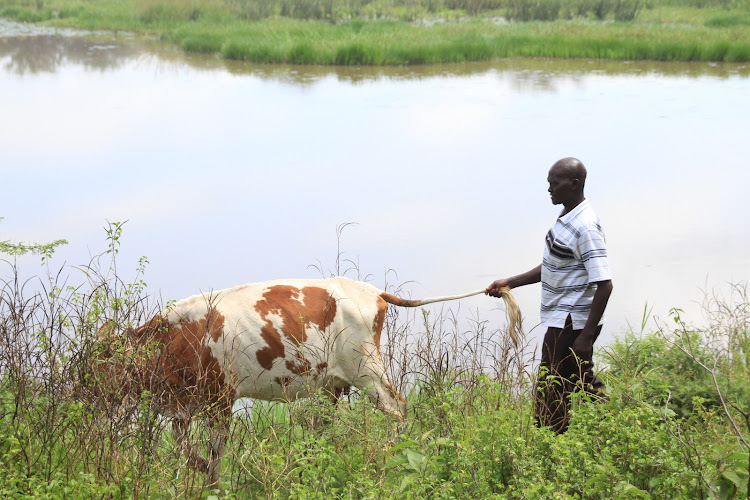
278 340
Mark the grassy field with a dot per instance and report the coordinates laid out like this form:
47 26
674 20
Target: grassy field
677 424
402 32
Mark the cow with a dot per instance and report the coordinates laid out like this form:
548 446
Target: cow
277 341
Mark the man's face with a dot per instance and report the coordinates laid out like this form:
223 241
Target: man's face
562 186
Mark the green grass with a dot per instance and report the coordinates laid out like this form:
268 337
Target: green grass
729 21
462 440
670 430
239 30
396 43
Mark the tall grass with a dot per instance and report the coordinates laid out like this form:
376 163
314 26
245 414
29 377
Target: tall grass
401 32
469 432
391 43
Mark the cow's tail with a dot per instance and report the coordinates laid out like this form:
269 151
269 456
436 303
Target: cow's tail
511 307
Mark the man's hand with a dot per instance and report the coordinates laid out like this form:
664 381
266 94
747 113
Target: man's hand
583 345
495 289
527 278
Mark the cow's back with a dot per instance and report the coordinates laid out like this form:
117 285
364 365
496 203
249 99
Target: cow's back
286 338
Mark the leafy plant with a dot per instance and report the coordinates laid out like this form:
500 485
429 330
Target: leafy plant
420 463
44 249
675 425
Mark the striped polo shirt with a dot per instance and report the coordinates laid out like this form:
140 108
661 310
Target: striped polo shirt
575 258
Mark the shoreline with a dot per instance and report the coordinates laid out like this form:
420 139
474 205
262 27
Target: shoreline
658 34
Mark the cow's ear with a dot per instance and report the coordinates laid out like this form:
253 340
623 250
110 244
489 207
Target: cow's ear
155 325
106 329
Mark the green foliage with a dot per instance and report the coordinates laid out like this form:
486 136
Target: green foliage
536 10
636 456
202 43
728 21
355 54
27 15
690 372
676 425
423 466
44 249
399 32
166 11
654 371
252 9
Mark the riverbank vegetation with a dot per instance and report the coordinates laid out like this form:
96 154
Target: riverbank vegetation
401 32
677 424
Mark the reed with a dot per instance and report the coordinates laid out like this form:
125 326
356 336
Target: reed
395 43
403 32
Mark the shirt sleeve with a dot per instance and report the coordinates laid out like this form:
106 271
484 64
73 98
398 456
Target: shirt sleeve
593 250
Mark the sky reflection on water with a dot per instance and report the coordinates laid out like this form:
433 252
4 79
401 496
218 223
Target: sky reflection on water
230 173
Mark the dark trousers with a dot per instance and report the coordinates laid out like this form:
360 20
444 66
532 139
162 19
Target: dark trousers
560 374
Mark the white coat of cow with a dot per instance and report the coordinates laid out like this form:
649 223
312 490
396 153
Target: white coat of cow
278 340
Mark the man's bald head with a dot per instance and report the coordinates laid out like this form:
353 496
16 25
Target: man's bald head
566 180
570 168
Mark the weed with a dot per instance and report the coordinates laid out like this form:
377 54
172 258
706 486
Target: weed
675 425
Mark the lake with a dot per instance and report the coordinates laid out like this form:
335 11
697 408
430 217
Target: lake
229 172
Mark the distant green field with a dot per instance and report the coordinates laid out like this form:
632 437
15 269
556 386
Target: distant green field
403 32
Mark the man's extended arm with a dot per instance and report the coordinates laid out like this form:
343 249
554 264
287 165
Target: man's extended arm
583 346
527 278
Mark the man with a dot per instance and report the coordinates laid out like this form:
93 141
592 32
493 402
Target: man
576 285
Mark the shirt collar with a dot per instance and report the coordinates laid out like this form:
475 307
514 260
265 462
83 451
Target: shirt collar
574 213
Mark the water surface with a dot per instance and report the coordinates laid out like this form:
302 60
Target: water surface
229 172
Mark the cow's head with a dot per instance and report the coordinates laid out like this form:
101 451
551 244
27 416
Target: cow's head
113 365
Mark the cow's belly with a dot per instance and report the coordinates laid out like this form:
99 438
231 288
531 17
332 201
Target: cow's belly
300 372
284 387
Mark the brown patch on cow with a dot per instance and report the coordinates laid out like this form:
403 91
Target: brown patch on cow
187 351
301 366
180 366
298 309
321 366
156 325
173 362
319 306
377 324
274 348
283 381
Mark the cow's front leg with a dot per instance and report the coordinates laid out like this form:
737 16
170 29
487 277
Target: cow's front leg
219 421
180 428
216 443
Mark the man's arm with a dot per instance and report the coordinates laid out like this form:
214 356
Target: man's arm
583 346
527 278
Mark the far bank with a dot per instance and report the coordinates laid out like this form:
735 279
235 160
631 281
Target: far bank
390 36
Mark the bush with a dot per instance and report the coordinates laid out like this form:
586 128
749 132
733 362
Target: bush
534 10
470 433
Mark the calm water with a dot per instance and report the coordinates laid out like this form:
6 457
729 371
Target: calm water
229 173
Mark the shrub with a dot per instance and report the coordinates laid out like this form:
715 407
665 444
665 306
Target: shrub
534 10
666 431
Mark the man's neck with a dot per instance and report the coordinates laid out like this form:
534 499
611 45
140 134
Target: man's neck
572 204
